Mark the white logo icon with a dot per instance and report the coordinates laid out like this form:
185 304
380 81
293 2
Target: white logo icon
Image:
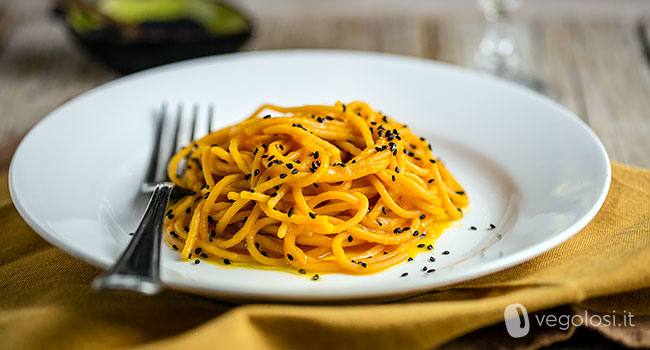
516 318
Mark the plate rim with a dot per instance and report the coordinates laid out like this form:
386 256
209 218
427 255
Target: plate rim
480 270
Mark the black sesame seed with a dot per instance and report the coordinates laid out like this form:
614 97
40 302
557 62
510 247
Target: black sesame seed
350 238
197 251
383 210
329 118
174 246
492 226
187 229
289 165
430 247
226 261
422 217
320 120
406 228
271 158
210 239
364 265
197 261
204 255
421 245
316 155
410 259
405 274
433 161
397 169
274 194
316 185
294 171
257 172
231 201
289 257
312 215
188 210
213 233
276 187
210 219
473 228
424 268
460 192
431 270
267 116
270 164
290 212
432 259
252 190
446 252
170 216
265 254
315 277
282 176
416 233
302 272
393 178
344 108
431 180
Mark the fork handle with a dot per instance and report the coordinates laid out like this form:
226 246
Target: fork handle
138 268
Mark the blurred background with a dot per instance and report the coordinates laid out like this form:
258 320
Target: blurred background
589 55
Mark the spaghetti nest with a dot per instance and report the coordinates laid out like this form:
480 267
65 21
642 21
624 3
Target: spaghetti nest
320 188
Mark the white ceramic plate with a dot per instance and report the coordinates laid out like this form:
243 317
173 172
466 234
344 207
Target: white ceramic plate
530 167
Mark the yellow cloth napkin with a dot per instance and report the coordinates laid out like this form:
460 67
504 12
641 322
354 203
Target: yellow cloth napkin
46 302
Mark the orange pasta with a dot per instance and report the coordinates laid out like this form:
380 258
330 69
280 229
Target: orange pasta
338 188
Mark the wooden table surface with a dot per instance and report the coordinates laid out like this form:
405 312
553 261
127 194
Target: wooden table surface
594 62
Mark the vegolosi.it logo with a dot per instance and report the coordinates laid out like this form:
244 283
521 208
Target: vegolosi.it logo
518 322
516 319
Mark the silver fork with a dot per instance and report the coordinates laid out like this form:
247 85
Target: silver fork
138 268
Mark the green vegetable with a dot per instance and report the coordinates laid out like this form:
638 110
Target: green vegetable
83 22
214 17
